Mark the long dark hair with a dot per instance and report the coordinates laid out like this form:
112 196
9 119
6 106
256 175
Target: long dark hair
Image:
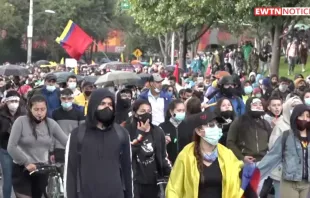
218 107
34 99
198 155
171 107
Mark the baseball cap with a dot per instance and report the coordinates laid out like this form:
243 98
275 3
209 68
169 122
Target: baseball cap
155 77
204 118
50 77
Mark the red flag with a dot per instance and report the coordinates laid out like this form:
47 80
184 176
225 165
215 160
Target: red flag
71 51
176 73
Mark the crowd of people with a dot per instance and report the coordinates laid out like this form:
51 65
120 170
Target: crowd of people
204 135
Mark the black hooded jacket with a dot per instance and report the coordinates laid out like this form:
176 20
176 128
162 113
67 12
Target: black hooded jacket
122 108
104 173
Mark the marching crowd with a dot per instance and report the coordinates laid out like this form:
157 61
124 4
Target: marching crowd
204 136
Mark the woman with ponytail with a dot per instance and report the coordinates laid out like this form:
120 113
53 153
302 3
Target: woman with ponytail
207 169
29 144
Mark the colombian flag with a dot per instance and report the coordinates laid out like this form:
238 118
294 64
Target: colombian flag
74 40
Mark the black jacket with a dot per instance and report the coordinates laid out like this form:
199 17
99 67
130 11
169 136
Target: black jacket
104 173
122 108
163 164
172 147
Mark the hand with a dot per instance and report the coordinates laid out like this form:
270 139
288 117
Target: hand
31 167
168 139
249 159
144 126
273 122
52 159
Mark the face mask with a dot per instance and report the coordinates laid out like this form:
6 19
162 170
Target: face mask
283 88
126 103
248 90
229 92
169 94
213 135
50 88
144 117
72 85
274 83
258 95
157 90
105 116
307 101
227 114
302 88
87 93
66 105
179 116
302 125
256 114
13 106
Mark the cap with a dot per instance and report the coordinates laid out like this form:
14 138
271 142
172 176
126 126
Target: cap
204 118
50 77
155 77
87 84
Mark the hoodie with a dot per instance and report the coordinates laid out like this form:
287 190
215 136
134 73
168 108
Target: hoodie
104 172
122 107
283 124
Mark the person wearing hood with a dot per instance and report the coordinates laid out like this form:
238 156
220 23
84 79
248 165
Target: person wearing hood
8 114
291 150
149 156
227 89
282 90
248 135
266 89
159 99
274 110
283 124
252 78
123 103
175 116
274 81
98 153
300 87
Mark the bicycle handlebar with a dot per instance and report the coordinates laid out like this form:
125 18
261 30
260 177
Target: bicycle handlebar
47 167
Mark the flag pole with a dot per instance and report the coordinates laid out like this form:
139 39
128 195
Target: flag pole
100 51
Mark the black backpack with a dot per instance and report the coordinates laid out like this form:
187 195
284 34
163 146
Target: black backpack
284 138
81 133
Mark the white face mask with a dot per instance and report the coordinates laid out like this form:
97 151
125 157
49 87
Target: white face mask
72 85
13 106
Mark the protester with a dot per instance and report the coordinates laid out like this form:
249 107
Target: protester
123 105
72 84
274 111
82 99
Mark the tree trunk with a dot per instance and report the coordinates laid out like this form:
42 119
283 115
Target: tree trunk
183 47
276 49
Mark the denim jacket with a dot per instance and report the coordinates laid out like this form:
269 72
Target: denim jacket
292 164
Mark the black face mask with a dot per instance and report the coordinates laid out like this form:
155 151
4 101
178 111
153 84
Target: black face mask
302 125
257 114
126 102
105 116
87 93
274 83
229 92
302 88
227 114
144 117
37 121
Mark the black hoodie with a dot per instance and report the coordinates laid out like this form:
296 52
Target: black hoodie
122 107
100 158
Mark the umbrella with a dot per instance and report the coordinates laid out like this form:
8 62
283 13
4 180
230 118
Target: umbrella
42 62
170 68
117 66
144 78
118 78
13 70
63 76
91 79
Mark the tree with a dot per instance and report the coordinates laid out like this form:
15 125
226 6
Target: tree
189 18
243 13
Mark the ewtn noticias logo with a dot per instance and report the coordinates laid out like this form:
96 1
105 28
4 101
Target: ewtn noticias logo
285 11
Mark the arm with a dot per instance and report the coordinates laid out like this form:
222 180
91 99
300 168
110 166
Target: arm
275 134
58 133
166 166
175 185
232 138
13 149
126 167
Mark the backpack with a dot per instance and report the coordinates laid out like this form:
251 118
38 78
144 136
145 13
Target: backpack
81 133
284 138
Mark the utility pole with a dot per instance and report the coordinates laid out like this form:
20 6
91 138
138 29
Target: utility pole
172 48
30 32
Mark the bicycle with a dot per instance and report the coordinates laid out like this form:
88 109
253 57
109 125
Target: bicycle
55 186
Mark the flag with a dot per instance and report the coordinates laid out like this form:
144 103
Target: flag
151 61
122 57
62 61
74 40
76 70
176 73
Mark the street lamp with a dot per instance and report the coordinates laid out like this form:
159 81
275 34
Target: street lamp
30 30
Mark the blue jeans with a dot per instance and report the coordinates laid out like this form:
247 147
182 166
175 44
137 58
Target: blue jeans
6 162
276 186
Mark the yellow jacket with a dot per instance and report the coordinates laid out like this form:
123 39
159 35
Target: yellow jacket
184 178
81 101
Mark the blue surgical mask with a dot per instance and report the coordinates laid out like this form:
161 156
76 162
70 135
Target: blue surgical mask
170 94
50 88
213 135
248 90
307 101
66 105
179 116
72 85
